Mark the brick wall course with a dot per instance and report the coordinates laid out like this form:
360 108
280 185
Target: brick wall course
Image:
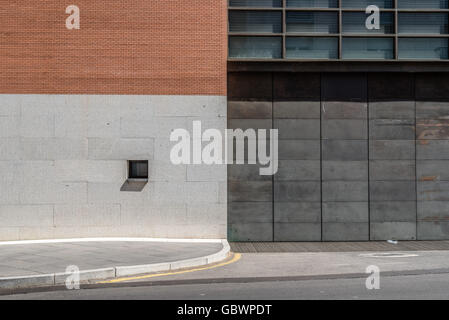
168 47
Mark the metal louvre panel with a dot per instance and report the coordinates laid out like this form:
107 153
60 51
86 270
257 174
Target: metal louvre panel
365 3
312 3
312 48
436 23
312 22
423 48
420 4
256 3
367 48
253 21
255 47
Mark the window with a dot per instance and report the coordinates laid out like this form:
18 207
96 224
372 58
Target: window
336 29
432 23
312 22
255 21
138 169
422 4
255 47
368 48
362 4
256 3
312 3
423 48
312 48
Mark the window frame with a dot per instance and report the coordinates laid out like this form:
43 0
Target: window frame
396 11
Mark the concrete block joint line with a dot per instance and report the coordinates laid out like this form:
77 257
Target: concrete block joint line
51 279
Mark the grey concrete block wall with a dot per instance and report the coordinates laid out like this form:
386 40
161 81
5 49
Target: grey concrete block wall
63 159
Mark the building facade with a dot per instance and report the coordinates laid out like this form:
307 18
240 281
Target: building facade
362 117
77 105
362 114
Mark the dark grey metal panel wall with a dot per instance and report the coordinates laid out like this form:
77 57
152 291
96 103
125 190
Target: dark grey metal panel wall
345 157
297 184
392 173
350 167
250 195
432 152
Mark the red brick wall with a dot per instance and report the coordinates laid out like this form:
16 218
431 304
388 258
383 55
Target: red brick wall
123 47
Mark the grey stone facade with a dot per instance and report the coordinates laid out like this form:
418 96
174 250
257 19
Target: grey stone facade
63 160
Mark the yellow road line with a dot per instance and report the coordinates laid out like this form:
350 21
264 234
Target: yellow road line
235 258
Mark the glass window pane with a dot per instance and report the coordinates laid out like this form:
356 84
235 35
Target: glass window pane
255 21
423 23
312 22
255 47
256 3
354 22
426 4
311 48
312 3
423 48
362 4
367 48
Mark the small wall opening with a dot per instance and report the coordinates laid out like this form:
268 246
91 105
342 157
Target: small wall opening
137 176
138 169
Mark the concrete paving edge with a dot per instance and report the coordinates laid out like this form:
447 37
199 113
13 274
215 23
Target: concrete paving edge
21 282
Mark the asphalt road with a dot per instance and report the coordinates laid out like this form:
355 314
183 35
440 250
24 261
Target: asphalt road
433 286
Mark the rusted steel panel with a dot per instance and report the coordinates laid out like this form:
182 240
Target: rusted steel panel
432 129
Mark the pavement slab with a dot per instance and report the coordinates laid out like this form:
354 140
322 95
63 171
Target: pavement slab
247 247
33 259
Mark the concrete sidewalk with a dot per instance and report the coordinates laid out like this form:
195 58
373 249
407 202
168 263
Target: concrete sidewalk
40 263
